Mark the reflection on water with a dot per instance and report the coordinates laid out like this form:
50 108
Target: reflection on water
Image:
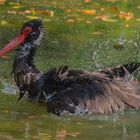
29 126
83 34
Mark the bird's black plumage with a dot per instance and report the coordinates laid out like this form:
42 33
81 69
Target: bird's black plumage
73 91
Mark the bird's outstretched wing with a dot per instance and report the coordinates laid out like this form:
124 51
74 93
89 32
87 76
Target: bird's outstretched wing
98 95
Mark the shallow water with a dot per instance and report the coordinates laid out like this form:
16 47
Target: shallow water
83 34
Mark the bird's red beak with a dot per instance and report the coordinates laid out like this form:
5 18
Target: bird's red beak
16 41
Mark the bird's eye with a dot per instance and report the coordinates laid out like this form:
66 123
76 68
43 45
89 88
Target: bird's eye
27 30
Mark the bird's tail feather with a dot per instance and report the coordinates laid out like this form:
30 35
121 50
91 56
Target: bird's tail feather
122 71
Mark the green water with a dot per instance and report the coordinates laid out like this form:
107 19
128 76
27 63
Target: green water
83 34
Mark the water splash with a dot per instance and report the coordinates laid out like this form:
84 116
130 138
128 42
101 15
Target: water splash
8 88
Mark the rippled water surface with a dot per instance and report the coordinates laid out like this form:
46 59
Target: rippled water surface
83 34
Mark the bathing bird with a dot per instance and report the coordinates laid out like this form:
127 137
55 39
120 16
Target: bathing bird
66 90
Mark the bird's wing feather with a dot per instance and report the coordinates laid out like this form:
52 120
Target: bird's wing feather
103 95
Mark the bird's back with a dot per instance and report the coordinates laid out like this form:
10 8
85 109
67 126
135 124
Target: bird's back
94 93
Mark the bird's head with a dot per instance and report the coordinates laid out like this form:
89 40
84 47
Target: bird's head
32 32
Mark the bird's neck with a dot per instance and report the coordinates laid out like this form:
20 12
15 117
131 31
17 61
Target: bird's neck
25 55
27 51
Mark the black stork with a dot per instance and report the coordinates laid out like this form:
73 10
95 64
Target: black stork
70 91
